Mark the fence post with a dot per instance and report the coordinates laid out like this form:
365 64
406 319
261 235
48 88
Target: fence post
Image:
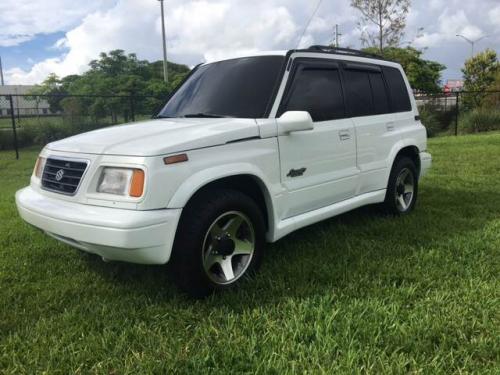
457 111
14 132
132 108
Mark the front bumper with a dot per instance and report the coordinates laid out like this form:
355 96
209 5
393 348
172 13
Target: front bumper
425 163
115 234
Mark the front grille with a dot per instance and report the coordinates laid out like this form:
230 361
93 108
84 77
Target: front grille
63 176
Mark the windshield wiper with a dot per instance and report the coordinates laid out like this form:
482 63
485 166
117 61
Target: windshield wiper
204 114
162 116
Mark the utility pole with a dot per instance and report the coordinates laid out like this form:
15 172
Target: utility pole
337 35
1 72
165 68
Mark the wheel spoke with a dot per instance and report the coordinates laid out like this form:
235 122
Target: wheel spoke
242 247
408 188
233 225
402 202
227 268
211 259
216 230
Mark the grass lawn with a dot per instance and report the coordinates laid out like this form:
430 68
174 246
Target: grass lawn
360 293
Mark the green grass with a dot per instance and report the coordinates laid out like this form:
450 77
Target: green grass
360 293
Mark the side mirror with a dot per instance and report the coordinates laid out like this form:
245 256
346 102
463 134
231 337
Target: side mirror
293 121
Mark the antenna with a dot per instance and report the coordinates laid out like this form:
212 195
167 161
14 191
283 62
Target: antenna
308 22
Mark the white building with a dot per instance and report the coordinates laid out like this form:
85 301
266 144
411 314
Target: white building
23 105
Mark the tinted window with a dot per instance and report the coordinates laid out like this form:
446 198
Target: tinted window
379 93
400 101
358 92
236 88
316 90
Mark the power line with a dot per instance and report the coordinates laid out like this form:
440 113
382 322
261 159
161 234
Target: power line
308 22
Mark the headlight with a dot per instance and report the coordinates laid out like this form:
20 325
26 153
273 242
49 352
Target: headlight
121 181
39 167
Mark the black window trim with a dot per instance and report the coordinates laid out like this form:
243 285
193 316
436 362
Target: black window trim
300 63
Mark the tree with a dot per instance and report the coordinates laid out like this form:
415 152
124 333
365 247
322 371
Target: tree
479 72
388 17
424 75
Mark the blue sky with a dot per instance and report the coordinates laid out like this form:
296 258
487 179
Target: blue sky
38 37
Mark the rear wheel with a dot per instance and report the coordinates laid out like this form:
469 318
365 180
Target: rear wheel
402 188
219 241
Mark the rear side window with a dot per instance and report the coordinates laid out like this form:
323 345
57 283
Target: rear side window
400 101
317 90
358 91
379 93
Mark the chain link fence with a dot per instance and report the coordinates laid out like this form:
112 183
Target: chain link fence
459 112
39 119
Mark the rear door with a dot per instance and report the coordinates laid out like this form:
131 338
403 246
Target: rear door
369 107
318 167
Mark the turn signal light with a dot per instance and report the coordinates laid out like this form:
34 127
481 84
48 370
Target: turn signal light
137 183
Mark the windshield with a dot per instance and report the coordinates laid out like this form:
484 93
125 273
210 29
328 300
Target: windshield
232 88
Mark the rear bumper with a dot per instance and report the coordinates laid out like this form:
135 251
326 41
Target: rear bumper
425 163
115 234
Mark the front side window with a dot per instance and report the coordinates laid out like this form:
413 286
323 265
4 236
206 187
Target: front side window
241 88
317 90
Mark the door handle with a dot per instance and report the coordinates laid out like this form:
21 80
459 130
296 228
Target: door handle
344 134
389 126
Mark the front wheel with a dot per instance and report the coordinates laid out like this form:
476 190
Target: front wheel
402 188
220 240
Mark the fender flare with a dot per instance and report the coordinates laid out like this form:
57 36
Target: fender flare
396 148
204 177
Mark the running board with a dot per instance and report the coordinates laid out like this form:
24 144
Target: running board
291 224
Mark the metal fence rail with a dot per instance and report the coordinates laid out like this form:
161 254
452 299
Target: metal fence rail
39 119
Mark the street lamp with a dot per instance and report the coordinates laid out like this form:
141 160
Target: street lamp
165 68
472 42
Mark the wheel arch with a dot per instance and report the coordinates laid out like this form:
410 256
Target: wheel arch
406 148
237 178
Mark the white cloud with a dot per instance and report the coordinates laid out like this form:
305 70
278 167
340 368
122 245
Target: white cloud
21 20
200 30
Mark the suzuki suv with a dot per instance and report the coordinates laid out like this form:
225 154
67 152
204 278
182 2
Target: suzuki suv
245 151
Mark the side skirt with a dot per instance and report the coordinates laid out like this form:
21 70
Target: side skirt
291 224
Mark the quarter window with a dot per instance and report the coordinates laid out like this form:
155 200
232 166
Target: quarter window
317 90
400 101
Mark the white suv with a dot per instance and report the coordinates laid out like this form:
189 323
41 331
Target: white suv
245 151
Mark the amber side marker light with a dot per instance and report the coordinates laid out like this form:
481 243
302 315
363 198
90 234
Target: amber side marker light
175 159
137 183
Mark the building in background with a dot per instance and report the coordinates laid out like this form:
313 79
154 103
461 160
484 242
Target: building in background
453 85
24 106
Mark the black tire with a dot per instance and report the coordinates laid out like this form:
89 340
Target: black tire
391 204
198 217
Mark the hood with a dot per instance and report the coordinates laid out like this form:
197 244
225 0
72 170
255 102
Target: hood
159 137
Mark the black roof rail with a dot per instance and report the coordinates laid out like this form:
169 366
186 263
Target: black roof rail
342 51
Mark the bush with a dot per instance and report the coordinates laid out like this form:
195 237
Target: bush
430 120
43 132
480 120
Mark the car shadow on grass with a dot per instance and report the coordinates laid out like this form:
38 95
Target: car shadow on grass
345 253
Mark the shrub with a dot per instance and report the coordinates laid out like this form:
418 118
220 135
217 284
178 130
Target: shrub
480 120
430 120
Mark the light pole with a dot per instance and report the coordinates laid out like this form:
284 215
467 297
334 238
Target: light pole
165 68
472 42
1 73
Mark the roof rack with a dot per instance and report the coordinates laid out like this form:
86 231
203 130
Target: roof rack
343 51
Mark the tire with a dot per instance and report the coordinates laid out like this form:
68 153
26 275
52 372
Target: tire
220 240
402 189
